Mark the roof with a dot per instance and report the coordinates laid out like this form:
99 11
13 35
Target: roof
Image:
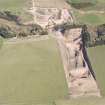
52 4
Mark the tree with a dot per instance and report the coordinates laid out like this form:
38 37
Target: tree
6 32
101 30
1 42
86 35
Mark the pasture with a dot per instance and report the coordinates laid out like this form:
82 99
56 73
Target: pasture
12 4
97 59
18 7
31 72
92 19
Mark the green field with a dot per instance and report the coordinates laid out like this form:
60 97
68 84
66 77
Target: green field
19 7
97 58
82 101
93 4
95 18
91 19
31 72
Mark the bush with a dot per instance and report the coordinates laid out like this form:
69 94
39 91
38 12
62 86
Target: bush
6 32
44 32
32 29
37 30
10 17
65 26
21 31
86 35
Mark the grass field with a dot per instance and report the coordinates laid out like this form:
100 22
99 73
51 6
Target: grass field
12 4
92 19
31 72
97 58
95 4
18 7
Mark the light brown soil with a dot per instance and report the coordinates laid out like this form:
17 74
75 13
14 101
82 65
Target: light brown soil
80 80
52 4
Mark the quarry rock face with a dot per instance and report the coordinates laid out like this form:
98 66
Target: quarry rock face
79 77
51 16
50 12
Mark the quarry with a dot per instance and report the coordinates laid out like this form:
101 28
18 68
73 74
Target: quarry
52 52
80 80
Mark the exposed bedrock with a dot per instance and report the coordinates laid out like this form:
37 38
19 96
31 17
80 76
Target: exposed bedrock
78 74
48 17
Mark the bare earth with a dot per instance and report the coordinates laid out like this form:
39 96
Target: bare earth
79 78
